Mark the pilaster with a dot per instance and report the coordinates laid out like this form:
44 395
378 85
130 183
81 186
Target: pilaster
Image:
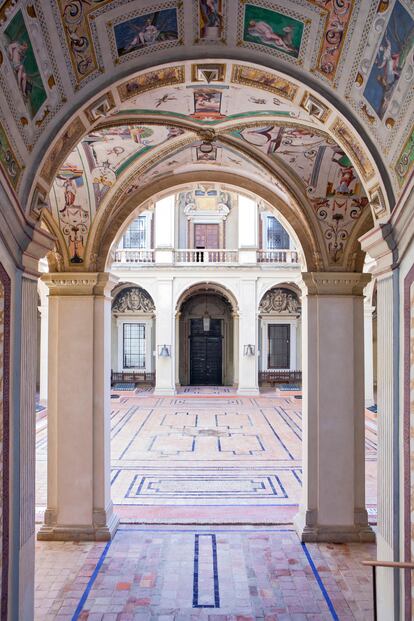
79 504
380 245
248 335
333 409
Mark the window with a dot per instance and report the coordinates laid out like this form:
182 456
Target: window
134 346
135 236
279 346
277 236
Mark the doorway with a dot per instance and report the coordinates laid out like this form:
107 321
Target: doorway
206 352
205 334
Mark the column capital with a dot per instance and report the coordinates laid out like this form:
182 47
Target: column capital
335 283
79 283
380 244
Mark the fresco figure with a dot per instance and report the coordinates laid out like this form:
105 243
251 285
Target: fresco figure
17 53
211 19
264 31
394 52
23 62
272 29
146 30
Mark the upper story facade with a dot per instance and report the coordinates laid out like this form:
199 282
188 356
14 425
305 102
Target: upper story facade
205 227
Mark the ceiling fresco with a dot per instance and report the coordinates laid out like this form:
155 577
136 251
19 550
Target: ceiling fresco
319 93
92 169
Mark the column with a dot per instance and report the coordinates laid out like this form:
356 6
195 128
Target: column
333 503
165 335
368 354
44 331
165 230
79 502
247 230
248 335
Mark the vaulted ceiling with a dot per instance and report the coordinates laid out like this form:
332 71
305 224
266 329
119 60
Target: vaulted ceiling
311 99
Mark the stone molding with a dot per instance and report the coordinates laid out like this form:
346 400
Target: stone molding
80 283
335 283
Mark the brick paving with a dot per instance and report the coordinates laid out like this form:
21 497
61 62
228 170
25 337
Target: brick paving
218 574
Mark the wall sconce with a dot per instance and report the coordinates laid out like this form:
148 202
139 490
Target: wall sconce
164 351
248 350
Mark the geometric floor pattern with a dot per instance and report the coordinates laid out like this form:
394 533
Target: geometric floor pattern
214 574
214 454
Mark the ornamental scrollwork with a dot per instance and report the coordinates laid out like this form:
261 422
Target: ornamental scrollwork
280 301
133 299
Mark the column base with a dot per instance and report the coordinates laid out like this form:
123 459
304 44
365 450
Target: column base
248 392
165 392
309 531
101 530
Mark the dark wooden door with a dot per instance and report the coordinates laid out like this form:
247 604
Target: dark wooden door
279 346
205 353
206 235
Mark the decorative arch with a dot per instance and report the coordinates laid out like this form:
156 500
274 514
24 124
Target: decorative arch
83 116
105 228
210 286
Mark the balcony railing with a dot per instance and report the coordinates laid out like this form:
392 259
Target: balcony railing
277 256
189 255
198 257
134 256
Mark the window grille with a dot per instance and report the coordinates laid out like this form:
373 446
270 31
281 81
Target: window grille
279 346
134 346
277 236
135 236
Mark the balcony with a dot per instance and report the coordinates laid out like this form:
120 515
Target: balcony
205 257
278 256
189 256
125 257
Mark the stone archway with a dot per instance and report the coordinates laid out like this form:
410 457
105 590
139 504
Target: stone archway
206 351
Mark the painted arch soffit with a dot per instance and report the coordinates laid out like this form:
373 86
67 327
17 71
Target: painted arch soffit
56 55
113 162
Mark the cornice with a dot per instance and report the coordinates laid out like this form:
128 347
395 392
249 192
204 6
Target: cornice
80 283
335 283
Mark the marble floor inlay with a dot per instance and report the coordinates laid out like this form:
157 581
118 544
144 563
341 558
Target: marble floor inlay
213 451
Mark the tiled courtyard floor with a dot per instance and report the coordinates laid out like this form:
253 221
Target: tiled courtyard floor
198 461
207 456
216 574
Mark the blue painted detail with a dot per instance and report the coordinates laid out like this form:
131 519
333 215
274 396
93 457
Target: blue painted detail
289 387
124 386
320 583
293 426
89 586
135 435
295 472
277 435
216 603
373 408
147 486
115 476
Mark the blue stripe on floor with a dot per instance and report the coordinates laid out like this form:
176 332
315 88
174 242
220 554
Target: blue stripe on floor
92 579
320 583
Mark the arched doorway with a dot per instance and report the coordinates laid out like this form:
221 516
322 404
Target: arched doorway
206 339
